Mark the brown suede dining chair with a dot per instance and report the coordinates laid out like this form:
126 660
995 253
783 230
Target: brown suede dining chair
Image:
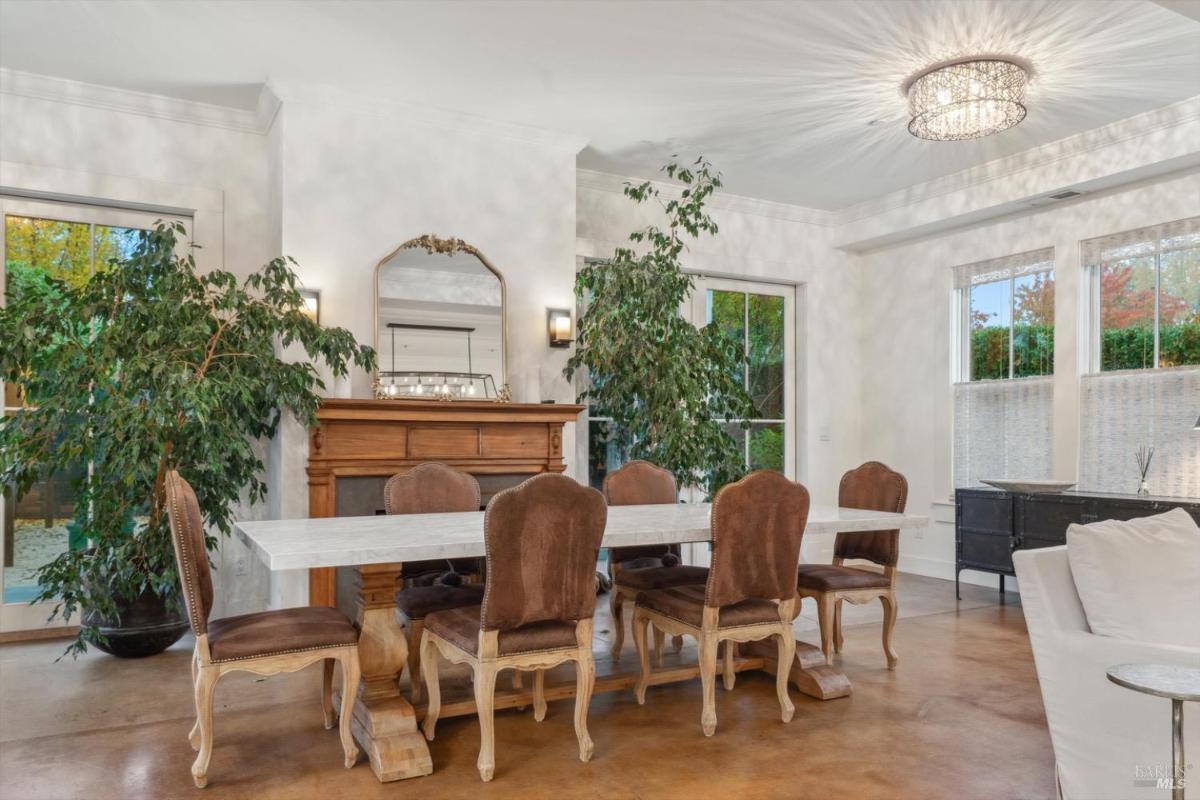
639 569
875 487
262 643
430 488
757 525
542 540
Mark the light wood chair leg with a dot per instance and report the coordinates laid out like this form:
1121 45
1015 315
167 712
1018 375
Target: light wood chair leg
539 695
327 693
729 677
787 649
640 625
194 734
837 626
485 702
433 687
616 605
889 624
413 633
659 638
825 608
351 673
206 685
708 682
585 680
676 643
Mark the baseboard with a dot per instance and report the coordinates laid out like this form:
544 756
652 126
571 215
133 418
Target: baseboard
939 568
38 634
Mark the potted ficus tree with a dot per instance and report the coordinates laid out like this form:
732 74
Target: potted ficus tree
669 387
145 367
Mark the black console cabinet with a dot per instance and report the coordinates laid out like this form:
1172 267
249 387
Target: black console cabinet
989 525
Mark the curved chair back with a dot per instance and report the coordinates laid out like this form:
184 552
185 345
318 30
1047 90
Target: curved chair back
757 525
874 487
543 540
191 552
640 483
431 488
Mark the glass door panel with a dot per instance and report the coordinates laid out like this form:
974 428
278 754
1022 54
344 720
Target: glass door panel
70 243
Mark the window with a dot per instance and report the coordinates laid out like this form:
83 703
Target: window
763 317
1005 313
70 243
1146 297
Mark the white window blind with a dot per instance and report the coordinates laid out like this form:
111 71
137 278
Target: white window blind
1001 269
1003 429
1120 411
1183 234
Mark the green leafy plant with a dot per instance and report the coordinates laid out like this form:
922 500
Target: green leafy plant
145 367
667 386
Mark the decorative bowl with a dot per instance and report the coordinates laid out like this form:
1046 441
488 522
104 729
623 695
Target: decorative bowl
1030 487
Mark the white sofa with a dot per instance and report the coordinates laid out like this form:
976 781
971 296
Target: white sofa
1101 732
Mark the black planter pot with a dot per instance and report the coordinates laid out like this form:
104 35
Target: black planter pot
145 626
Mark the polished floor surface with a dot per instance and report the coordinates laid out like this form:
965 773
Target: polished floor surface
960 718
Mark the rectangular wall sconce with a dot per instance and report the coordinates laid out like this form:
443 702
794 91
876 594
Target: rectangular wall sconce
312 304
559 322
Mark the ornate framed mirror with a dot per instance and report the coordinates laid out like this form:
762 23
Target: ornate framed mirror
441 327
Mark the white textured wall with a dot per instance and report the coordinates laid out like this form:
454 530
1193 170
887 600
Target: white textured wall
907 400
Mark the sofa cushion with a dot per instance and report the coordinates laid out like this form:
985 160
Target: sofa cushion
1139 579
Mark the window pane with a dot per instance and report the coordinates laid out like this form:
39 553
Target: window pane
113 243
765 355
1179 308
728 311
62 249
735 430
37 528
766 446
1127 313
604 453
1033 325
989 330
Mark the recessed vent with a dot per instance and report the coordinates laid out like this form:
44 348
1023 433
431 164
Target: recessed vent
1069 193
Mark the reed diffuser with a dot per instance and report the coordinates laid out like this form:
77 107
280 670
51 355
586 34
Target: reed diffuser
1144 455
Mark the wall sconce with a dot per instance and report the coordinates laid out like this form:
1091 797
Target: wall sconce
559 322
312 304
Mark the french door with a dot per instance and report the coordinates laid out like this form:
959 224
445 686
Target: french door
763 317
71 242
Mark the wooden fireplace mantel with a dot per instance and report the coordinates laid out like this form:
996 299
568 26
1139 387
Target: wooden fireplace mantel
378 438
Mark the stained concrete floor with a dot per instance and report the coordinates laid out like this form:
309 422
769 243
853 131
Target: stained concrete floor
960 718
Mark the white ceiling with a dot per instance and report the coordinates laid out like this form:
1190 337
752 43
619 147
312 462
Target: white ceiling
796 101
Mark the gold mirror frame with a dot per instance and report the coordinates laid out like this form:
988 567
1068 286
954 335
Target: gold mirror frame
435 244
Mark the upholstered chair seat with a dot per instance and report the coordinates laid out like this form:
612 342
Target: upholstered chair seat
663 577
263 643
875 487
542 540
288 630
430 488
461 627
830 578
750 593
418 602
645 567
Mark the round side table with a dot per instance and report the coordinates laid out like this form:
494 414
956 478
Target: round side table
1175 682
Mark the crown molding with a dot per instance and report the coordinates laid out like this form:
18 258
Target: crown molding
1036 158
290 92
739 204
91 95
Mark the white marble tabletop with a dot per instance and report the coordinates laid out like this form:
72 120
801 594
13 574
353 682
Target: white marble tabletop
349 541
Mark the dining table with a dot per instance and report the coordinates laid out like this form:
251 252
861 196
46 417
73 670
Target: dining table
376 547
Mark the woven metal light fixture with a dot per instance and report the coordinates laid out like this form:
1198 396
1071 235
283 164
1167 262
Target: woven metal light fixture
966 99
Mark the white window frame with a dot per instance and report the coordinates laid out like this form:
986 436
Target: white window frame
21 616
